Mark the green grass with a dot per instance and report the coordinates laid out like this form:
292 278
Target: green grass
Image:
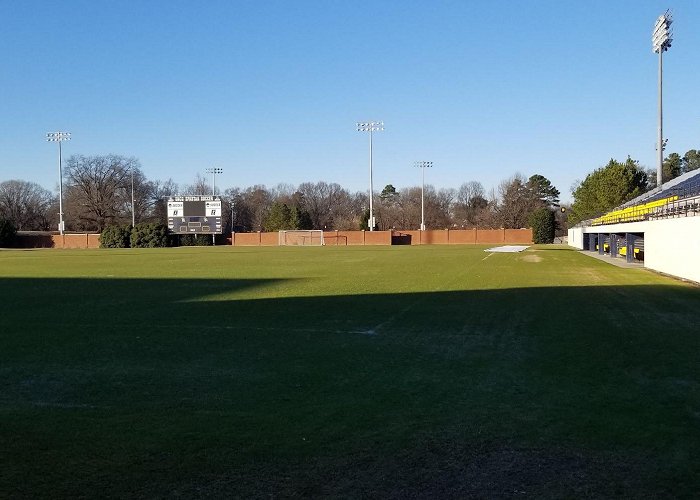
349 371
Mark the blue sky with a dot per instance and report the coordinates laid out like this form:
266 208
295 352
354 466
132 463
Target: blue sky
270 91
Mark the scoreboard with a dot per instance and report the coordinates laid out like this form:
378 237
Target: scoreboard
194 214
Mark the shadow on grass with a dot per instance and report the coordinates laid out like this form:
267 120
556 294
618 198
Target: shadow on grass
213 388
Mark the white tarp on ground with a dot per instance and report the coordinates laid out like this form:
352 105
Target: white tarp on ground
507 249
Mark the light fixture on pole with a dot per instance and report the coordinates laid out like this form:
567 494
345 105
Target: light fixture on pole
213 171
423 165
370 127
59 137
661 39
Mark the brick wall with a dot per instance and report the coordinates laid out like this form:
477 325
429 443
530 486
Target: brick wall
430 237
332 238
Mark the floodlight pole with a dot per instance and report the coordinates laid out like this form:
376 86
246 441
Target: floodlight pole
133 207
661 39
660 136
213 171
423 165
59 137
370 127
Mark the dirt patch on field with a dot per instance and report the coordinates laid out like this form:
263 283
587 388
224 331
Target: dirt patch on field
531 258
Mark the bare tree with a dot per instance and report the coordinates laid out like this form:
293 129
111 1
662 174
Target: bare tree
324 202
155 208
438 204
27 205
199 187
470 201
98 190
517 201
349 211
253 204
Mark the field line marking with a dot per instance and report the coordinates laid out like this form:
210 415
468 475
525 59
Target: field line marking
220 327
373 331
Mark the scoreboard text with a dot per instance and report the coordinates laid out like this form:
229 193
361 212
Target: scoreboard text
194 214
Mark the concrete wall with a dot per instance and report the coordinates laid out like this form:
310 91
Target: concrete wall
671 246
575 237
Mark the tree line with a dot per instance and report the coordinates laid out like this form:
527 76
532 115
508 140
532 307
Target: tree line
97 193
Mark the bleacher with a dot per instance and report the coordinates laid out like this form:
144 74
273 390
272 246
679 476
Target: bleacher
678 197
683 186
632 214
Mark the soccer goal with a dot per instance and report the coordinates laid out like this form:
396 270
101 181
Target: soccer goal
305 237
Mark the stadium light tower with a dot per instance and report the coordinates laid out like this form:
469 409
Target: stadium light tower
661 39
59 137
370 127
133 207
213 172
423 165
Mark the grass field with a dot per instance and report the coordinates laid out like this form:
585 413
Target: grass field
349 372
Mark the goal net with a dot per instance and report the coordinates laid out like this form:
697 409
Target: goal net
305 237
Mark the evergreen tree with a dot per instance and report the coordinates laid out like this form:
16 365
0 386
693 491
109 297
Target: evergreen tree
607 187
278 218
671 167
543 190
543 223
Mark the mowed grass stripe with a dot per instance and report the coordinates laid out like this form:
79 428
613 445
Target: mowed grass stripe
220 371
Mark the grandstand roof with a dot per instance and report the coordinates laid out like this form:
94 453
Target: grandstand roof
683 186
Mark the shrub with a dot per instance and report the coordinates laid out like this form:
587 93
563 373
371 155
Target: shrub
195 240
149 236
543 225
115 237
7 233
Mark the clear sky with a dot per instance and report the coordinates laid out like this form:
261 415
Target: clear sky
270 91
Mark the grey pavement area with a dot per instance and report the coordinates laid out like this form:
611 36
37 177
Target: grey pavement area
615 261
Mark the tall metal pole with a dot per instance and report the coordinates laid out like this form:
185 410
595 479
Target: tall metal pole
661 38
370 127
61 227
660 138
423 165
422 201
133 207
371 187
213 171
59 137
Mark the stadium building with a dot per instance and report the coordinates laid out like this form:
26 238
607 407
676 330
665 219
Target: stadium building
660 229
